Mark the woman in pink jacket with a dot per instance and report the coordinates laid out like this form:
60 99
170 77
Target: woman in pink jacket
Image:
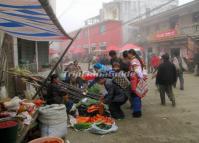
136 69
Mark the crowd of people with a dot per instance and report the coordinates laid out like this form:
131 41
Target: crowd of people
120 79
124 79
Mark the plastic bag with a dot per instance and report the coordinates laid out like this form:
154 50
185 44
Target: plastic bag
13 104
62 76
96 130
3 93
142 88
53 114
59 130
27 117
54 120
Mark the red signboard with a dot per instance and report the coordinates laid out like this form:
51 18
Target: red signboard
166 34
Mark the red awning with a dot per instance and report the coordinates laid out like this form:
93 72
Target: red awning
113 47
131 46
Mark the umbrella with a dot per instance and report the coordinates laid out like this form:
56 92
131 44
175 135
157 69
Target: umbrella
113 47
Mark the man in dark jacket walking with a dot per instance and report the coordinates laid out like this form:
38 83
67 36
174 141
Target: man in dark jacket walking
166 78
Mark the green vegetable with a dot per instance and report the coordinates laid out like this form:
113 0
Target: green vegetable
82 126
95 89
104 126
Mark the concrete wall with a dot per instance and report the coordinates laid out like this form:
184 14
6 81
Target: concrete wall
111 36
8 48
185 20
130 9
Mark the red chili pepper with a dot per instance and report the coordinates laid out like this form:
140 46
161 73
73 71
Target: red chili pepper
7 124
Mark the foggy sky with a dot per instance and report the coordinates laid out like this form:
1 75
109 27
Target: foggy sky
72 13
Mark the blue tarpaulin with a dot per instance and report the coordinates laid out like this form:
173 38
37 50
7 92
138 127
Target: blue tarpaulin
31 20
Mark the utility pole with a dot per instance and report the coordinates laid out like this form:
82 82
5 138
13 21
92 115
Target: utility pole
89 41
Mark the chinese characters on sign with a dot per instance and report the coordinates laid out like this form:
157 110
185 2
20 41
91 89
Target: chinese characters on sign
166 34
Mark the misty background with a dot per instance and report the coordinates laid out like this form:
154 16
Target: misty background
73 13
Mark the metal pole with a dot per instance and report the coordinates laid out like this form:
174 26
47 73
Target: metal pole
89 42
60 59
36 56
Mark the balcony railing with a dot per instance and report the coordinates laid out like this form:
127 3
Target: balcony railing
190 30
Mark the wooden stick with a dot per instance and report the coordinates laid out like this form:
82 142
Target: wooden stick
58 62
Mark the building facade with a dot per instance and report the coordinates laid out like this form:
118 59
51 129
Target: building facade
172 31
99 36
125 10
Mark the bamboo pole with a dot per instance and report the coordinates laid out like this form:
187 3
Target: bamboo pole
58 62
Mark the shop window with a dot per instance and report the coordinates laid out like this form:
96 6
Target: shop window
102 28
174 21
195 17
93 46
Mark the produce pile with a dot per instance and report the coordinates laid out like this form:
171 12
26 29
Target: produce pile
95 119
21 109
94 115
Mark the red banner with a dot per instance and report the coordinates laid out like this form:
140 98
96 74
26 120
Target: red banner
166 34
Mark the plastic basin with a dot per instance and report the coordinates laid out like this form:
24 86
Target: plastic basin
47 140
8 130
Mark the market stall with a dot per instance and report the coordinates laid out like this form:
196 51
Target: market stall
31 20
86 110
35 20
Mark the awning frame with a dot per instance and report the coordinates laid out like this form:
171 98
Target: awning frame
46 6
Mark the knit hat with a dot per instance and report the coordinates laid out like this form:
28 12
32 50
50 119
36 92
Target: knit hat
98 66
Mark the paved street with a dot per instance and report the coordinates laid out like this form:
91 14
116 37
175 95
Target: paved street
159 124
